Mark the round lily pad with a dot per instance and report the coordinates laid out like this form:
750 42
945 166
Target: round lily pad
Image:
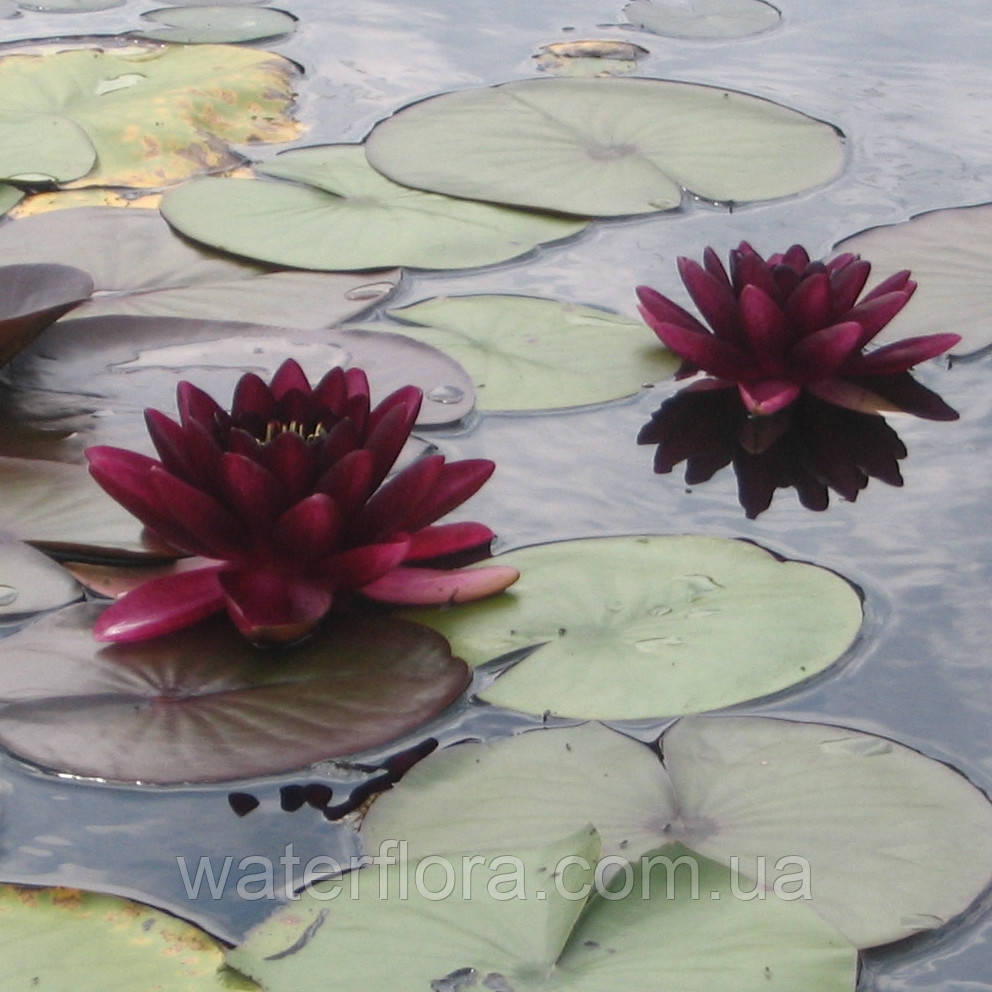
702 18
31 582
525 353
339 213
141 266
142 119
604 147
878 840
633 627
949 253
523 920
34 296
208 23
203 705
65 938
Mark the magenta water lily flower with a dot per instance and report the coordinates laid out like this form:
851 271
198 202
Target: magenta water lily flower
785 325
284 502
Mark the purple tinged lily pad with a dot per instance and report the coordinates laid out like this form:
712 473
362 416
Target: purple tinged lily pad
203 705
30 581
34 296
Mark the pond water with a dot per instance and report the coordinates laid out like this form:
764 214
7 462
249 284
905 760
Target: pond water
908 85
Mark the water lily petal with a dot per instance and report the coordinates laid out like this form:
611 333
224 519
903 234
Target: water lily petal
811 303
765 396
435 587
713 265
386 439
703 349
874 314
768 332
713 297
331 392
820 354
898 281
656 308
748 268
457 482
357 567
289 377
446 539
846 282
272 607
162 606
169 439
308 530
900 356
392 505
252 491
292 461
336 443
194 404
349 481
216 531
253 404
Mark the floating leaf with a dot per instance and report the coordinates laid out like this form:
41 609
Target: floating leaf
31 582
10 196
65 938
604 147
878 840
949 253
526 353
69 6
338 213
203 705
215 23
702 18
145 119
34 296
648 626
59 507
85 368
140 266
520 930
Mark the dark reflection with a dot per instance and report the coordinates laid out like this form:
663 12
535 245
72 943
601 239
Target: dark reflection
810 446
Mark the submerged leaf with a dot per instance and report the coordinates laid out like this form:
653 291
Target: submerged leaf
604 147
339 213
702 18
203 705
636 627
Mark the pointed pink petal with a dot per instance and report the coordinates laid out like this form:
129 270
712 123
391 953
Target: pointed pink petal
768 332
357 383
713 265
435 587
126 476
386 439
656 308
195 404
704 350
408 398
873 315
216 531
811 303
897 282
252 492
161 606
292 461
796 258
272 607
289 377
900 356
349 480
330 392
765 396
446 539
336 443
846 282
748 268
820 355
457 482
308 530
170 443
357 567
357 410
253 402
392 505
714 298
204 454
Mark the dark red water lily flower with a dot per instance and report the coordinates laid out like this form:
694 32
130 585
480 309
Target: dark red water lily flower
284 502
785 325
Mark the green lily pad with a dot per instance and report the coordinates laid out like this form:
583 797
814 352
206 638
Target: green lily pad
141 266
31 582
34 296
339 213
604 147
878 840
65 938
949 253
633 627
702 18
517 920
69 6
146 118
203 705
10 196
525 353
207 23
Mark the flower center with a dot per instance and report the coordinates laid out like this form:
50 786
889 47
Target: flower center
276 427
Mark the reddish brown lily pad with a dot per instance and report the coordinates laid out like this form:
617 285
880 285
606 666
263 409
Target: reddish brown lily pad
34 296
203 705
